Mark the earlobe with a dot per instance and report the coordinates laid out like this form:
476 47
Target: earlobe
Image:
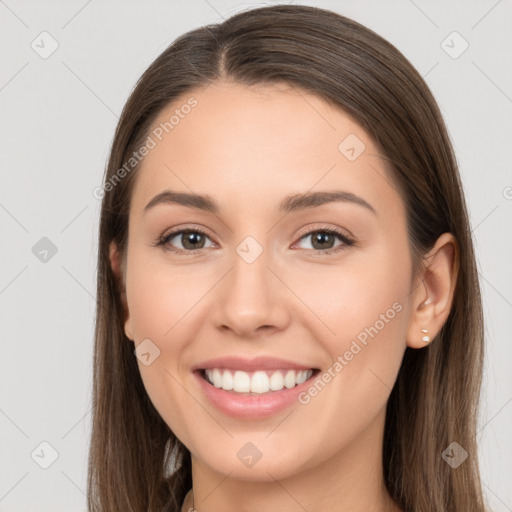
420 332
128 328
433 300
116 268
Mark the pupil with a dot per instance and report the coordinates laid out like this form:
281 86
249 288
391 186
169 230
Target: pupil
321 238
192 239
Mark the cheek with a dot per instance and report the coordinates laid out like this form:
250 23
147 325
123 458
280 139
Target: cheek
161 299
366 308
164 304
361 299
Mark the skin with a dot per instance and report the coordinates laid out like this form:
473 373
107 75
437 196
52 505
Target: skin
248 148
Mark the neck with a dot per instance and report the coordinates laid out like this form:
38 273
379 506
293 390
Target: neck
350 480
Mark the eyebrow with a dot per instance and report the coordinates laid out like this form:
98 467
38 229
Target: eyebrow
289 204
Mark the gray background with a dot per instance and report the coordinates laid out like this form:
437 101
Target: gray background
57 121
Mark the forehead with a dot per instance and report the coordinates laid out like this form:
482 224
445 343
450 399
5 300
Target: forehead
256 144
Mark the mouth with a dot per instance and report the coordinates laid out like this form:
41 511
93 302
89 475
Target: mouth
253 388
259 382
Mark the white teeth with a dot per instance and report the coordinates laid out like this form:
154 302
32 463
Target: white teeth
289 379
276 381
217 378
241 382
261 381
227 380
301 377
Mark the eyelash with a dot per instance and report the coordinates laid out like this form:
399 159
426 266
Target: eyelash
347 242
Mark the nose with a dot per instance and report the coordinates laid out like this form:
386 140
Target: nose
251 299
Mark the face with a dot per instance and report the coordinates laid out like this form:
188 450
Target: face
269 284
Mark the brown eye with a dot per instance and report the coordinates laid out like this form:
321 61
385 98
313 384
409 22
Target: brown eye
184 241
192 240
324 240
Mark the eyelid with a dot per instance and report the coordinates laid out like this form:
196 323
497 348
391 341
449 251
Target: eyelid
162 240
323 227
347 241
190 227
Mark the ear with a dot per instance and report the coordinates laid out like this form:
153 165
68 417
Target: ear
115 263
434 291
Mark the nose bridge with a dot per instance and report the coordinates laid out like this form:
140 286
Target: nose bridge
250 296
249 281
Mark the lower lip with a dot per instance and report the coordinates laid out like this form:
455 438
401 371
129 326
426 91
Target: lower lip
252 406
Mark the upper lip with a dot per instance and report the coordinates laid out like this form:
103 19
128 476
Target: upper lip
257 363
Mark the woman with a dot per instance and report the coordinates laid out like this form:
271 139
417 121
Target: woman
289 315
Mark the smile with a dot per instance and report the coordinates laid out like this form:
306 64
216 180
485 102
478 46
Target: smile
252 388
256 382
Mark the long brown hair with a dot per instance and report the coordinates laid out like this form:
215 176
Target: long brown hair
435 398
